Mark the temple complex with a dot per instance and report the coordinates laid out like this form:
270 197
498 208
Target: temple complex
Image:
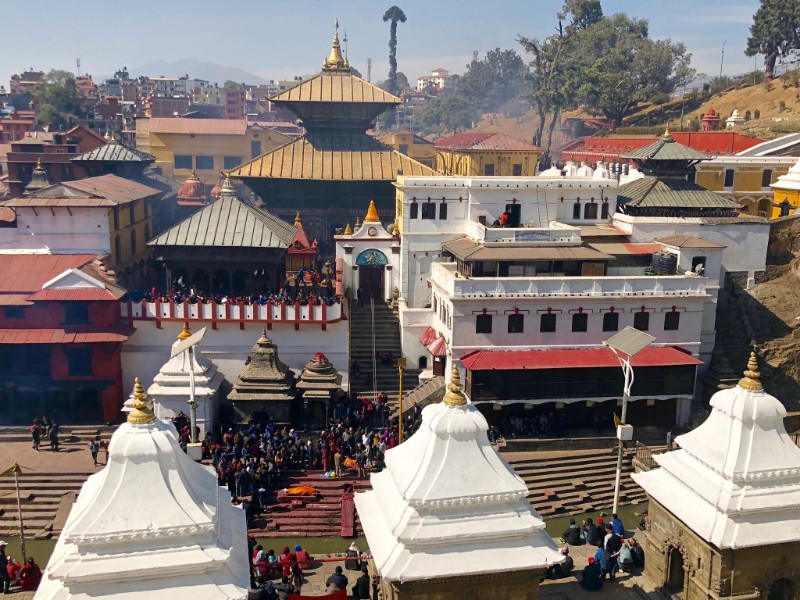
229 246
787 193
723 509
320 385
449 518
335 169
153 524
265 388
170 391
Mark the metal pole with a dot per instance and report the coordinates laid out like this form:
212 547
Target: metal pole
627 371
19 513
192 398
374 352
400 405
722 58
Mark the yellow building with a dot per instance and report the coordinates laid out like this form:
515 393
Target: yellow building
475 154
745 179
206 146
407 142
786 192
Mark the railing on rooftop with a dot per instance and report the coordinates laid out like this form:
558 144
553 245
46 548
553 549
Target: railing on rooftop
282 313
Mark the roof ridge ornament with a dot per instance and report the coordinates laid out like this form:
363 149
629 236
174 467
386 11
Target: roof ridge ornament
185 333
142 413
298 222
372 213
667 134
752 377
335 60
348 230
455 394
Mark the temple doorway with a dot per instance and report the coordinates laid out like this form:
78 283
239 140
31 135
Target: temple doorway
676 575
370 279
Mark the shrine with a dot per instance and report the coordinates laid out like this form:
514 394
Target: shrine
449 518
152 525
335 168
723 509
265 389
320 385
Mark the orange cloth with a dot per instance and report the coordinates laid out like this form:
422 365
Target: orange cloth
349 462
302 490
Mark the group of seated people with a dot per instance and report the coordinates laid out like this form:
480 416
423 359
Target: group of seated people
284 296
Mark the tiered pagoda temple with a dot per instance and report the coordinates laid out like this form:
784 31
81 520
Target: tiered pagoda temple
265 389
320 384
336 168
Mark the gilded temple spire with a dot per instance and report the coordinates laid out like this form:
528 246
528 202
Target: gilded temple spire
335 60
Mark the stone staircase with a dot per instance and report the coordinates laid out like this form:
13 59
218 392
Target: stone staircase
387 339
576 483
306 516
46 496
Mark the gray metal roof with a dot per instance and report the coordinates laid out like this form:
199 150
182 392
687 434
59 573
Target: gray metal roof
782 146
467 249
229 222
670 192
666 148
114 151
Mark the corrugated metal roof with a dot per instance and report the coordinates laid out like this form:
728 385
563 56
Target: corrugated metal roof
466 249
438 347
332 157
28 272
72 335
485 141
501 360
670 192
14 300
73 294
687 241
115 151
336 86
666 148
427 337
621 249
105 190
205 126
229 222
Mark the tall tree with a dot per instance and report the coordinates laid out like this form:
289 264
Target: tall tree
581 13
394 15
57 99
775 32
546 86
490 83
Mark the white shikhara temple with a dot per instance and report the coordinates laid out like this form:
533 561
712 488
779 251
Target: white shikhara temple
153 524
449 506
735 481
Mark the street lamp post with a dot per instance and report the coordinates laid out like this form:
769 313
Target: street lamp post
401 364
187 345
625 345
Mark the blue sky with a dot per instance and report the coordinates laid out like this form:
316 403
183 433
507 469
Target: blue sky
282 39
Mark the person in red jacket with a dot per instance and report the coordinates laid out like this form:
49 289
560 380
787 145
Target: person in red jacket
30 576
303 557
286 562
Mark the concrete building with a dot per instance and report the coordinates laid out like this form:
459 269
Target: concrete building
407 142
449 517
722 518
439 81
491 154
151 524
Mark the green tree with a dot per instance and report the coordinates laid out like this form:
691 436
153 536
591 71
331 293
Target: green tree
57 99
614 66
775 32
232 84
446 114
582 13
394 15
490 83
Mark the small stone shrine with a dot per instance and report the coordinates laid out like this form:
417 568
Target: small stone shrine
320 385
448 518
724 514
265 389
152 525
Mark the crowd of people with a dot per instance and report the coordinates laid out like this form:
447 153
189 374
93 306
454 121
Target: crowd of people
27 576
284 296
45 429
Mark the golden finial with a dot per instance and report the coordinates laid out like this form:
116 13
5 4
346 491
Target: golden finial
298 222
348 230
395 231
667 133
185 333
142 412
358 222
752 378
335 59
39 162
455 395
372 213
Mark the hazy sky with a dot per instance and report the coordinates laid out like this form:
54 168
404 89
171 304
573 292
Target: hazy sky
281 39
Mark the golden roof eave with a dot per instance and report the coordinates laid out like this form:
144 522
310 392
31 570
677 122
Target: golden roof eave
336 86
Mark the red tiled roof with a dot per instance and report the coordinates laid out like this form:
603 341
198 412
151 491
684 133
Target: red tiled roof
438 347
427 337
71 335
28 272
207 126
501 360
484 141
73 294
7 214
105 190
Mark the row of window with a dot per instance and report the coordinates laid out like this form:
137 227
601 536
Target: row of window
516 170
75 313
580 322
730 176
205 163
428 210
589 210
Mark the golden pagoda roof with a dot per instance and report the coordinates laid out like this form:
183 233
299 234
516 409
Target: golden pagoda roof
372 213
332 157
336 86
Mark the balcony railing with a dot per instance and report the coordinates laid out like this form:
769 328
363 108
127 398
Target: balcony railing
269 314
